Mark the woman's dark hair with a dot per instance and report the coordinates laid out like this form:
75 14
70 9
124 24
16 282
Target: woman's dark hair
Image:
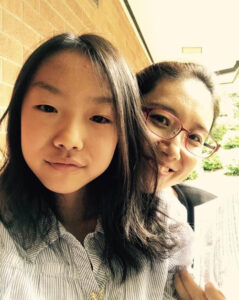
128 217
172 70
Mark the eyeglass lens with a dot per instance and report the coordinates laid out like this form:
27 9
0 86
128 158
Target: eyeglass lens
167 126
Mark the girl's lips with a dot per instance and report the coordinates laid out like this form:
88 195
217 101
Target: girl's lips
64 167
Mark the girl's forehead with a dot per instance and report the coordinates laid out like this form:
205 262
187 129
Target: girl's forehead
67 59
71 69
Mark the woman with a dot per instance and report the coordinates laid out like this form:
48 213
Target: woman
180 109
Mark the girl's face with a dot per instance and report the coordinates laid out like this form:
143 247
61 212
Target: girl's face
68 124
191 102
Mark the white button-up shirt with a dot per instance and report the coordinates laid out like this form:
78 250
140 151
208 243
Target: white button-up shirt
77 272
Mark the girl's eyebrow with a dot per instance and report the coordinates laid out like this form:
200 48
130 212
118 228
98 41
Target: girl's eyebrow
46 86
103 100
52 89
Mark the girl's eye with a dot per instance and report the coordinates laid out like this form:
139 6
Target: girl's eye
47 108
100 119
160 120
196 138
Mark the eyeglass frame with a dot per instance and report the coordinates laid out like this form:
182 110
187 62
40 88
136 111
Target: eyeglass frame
147 110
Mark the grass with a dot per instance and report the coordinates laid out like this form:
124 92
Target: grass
232 169
212 163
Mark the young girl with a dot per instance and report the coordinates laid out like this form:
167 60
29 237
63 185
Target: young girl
180 109
74 221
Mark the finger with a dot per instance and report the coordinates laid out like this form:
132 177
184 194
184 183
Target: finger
213 293
190 285
181 291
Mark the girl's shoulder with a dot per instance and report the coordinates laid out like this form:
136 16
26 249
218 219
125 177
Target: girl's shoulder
4 235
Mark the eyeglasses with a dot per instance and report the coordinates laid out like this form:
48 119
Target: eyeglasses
167 126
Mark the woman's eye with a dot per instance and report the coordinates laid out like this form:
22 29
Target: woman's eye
100 119
196 138
160 119
47 108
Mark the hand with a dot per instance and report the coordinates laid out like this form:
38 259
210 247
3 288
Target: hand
213 293
187 288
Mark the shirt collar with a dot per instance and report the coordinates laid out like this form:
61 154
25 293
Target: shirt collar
56 232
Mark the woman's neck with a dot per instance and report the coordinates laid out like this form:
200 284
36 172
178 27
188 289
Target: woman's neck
170 190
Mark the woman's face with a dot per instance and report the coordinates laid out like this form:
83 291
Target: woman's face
191 102
68 124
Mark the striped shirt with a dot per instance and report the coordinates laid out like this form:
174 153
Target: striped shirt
77 271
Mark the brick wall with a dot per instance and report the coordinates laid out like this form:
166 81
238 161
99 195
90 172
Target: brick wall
25 23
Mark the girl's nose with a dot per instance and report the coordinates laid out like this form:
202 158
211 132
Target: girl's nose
69 137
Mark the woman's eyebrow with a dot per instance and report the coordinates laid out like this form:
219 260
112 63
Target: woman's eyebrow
161 106
200 127
46 86
156 105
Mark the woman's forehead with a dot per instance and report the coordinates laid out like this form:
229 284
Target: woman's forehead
189 99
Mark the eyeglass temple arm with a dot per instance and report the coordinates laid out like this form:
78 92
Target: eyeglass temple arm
212 147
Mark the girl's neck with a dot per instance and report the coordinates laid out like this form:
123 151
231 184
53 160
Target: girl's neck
71 212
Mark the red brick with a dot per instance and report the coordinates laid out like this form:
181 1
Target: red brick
78 10
5 94
11 49
0 69
15 28
47 17
69 17
36 21
14 6
47 12
34 4
0 19
10 72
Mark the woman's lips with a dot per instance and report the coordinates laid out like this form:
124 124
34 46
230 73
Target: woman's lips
164 170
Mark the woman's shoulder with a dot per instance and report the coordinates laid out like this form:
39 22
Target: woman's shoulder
195 195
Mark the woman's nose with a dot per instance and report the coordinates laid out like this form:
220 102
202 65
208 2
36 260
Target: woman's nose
70 136
171 148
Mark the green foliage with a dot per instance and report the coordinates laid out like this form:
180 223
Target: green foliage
192 176
231 142
218 132
232 169
234 128
236 104
233 96
236 112
212 163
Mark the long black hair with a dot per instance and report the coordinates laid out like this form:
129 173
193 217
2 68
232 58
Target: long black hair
128 216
